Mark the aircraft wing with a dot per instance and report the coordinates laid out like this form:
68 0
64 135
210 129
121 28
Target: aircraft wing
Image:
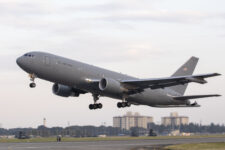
157 83
194 97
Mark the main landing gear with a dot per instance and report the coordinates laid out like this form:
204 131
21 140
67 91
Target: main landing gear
123 104
95 105
32 78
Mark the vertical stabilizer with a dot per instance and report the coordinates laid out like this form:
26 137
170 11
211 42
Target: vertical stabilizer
186 69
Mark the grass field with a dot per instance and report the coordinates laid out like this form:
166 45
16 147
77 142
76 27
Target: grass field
66 139
200 146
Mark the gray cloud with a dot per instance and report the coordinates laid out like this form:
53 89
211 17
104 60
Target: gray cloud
221 35
160 16
42 15
116 6
142 11
122 52
24 7
52 27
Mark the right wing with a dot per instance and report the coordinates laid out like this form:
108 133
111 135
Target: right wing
140 84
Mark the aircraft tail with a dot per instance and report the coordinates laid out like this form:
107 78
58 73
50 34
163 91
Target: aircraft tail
186 69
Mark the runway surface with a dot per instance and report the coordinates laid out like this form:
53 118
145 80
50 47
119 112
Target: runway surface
103 145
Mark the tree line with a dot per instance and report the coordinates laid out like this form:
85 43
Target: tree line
93 131
72 131
190 128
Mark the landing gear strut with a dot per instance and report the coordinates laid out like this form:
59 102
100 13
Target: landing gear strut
95 105
32 78
123 104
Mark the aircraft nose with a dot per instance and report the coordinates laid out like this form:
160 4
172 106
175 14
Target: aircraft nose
19 61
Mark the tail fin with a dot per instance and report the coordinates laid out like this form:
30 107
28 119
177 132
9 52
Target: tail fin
186 69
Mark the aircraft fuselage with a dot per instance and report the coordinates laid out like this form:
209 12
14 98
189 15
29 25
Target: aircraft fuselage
76 74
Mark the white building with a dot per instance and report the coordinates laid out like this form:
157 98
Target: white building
131 120
175 120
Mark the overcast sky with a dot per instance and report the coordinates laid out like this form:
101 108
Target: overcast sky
142 38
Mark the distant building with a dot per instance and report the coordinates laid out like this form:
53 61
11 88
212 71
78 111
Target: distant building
132 120
44 122
175 120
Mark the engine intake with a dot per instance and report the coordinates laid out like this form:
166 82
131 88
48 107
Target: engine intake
64 91
111 87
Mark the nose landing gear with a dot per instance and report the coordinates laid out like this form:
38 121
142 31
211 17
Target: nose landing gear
32 78
95 105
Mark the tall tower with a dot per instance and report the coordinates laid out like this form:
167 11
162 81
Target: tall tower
44 122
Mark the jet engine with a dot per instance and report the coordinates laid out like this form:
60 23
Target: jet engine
65 91
111 87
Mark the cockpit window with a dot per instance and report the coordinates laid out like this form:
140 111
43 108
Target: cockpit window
29 55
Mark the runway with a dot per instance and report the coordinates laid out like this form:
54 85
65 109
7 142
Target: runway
104 145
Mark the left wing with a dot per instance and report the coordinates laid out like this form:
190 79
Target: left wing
157 83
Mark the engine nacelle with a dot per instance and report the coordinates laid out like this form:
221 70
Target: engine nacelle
64 91
111 87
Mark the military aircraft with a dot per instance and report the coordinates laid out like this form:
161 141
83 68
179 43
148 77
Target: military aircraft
72 78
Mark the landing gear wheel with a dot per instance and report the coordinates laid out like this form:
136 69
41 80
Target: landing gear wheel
99 105
128 104
91 106
32 85
119 105
123 104
95 106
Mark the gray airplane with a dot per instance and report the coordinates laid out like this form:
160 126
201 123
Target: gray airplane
72 78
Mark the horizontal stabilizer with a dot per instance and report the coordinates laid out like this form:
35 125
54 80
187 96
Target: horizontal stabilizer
194 97
181 106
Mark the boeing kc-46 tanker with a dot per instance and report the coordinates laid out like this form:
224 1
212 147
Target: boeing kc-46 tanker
72 78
